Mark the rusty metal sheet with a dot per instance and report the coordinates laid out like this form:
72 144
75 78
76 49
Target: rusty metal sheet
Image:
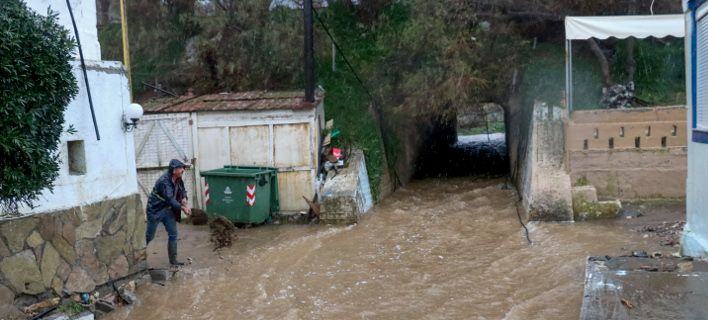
251 100
291 144
213 148
250 145
293 186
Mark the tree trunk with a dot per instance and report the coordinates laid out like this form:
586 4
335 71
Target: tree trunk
604 64
631 63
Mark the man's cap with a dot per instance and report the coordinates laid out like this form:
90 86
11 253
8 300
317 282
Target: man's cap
174 164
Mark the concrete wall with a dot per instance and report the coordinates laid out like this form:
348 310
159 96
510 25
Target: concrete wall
695 237
536 150
347 195
629 153
85 16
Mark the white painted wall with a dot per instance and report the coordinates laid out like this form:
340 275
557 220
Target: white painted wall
110 162
85 16
695 237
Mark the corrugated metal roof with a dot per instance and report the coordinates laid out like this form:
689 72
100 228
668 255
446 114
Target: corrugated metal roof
243 101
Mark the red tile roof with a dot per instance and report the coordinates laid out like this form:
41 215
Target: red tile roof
242 101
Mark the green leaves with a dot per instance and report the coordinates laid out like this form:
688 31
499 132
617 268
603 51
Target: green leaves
36 85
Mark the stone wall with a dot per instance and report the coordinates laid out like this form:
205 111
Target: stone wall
72 250
629 154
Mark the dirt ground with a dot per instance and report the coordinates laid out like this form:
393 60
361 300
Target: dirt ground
662 221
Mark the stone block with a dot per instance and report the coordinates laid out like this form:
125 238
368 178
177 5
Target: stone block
15 231
86 252
89 229
48 225
160 274
105 306
79 281
119 268
4 250
598 210
57 286
138 241
65 249
50 263
585 193
22 272
6 295
63 270
57 316
86 315
35 240
68 231
108 248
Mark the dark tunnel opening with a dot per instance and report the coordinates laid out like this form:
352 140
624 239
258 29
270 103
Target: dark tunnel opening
471 144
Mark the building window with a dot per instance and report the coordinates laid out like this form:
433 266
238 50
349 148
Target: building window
702 74
77 157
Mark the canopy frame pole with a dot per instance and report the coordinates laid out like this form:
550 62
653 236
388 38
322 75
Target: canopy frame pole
569 75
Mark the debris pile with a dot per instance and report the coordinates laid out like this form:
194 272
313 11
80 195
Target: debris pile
223 232
83 306
669 232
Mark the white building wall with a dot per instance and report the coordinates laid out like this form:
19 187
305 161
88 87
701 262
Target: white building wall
110 162
85 16
695 237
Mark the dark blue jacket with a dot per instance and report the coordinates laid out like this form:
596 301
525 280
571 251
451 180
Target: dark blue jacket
166 196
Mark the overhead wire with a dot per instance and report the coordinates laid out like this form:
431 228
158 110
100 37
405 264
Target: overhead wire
373 99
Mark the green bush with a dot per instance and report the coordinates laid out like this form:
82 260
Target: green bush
36 85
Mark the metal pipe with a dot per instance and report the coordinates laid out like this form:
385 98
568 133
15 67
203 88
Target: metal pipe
126 47
568 76
83 68
308 53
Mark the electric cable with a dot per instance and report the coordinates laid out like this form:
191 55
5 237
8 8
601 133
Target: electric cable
518 214
83 68
397 181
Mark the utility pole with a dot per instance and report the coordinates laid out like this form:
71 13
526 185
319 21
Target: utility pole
126 49
308 53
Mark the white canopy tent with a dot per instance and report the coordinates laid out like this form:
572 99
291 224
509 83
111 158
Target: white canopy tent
621 27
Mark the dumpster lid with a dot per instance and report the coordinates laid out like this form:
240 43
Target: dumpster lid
234 171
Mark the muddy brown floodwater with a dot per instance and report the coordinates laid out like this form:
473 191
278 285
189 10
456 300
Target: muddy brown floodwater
436 249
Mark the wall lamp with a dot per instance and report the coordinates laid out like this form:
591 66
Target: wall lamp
132 116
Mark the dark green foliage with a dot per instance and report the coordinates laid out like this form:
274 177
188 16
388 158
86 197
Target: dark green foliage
36 85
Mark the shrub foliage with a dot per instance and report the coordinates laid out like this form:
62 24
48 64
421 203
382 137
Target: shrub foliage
36 85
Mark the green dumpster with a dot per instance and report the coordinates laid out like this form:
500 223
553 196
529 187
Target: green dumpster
243 194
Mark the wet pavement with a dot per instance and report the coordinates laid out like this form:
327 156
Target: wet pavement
645 288
436 249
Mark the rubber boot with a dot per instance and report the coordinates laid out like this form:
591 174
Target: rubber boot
172 254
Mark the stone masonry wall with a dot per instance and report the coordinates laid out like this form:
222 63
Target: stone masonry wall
72 250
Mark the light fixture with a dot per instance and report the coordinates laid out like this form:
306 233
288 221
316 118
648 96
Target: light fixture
132 116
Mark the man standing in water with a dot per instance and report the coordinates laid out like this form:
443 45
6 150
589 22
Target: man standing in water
167 199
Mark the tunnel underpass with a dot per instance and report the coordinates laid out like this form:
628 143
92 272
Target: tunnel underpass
471 144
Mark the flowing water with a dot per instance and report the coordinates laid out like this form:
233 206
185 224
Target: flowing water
437 249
